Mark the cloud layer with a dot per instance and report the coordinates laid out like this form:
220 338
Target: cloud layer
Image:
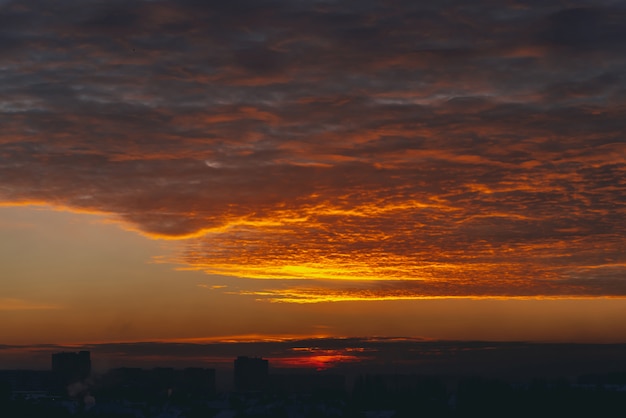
413 148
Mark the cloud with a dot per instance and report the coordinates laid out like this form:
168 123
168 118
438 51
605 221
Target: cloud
452 149
13 304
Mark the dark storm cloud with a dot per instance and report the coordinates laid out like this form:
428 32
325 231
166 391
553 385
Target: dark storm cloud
447 142
587 27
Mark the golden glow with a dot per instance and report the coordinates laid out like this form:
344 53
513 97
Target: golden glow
47 206
243 338
376 242
337 271
320 295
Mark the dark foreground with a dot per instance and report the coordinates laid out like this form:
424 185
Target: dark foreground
163 393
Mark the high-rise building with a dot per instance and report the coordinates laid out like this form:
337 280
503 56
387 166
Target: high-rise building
251 374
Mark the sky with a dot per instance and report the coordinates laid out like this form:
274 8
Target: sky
285 169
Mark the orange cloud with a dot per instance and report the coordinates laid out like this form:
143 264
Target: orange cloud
335 143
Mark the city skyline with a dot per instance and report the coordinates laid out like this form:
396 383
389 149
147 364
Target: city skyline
184 172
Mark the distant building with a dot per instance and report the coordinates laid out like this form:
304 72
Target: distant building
190 383
24 381
198 382
71 367
251 374
325 384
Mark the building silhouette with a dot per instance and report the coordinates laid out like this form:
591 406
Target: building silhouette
197 382
321 384
71 367
161 382
251 374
